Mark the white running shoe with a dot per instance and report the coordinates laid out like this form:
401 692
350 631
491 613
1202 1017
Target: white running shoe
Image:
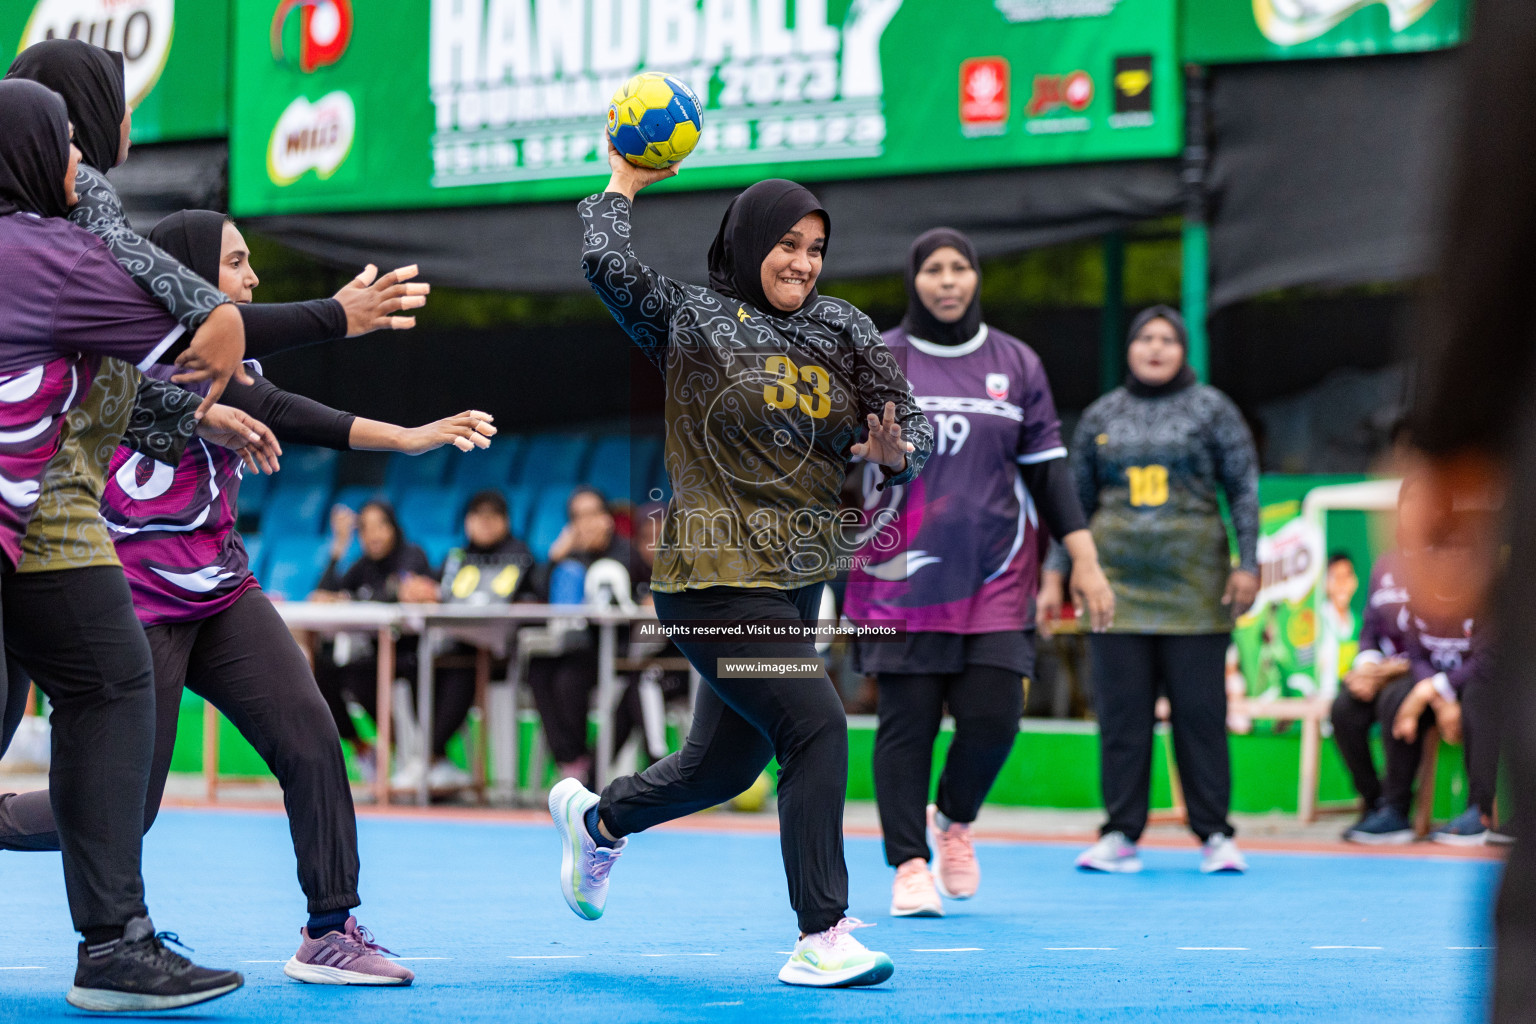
1220 853
584 865
1113 852
913 893
444 774
835 959
408 775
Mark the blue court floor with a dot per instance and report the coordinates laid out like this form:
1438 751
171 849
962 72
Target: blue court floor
696 920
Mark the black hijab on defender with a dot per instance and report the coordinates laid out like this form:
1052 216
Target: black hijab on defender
91 81
919 322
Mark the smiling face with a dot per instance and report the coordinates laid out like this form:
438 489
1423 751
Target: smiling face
946 284
791 268
1156 355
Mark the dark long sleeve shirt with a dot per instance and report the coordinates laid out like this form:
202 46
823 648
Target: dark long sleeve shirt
1148 472
762 408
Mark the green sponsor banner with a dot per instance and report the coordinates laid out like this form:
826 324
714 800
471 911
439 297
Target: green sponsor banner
175 55
1224 31
1304 630
435 102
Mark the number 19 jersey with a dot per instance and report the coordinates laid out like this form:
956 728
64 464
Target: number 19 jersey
958 550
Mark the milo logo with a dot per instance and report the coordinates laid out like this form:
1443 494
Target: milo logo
1290 22
138 29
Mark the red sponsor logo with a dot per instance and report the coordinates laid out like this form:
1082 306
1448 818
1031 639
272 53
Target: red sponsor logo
1052 92
984 91
325 29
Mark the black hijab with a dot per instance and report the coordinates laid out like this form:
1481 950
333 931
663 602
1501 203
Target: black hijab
1181 380
195 238
751 227
919 321
34 150
91 81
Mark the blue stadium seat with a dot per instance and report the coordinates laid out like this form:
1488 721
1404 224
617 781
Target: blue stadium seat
254 488
425 511
519 505
566 583
294 566
647 465
407 472
306 465
554 458
356 496
437 546
491 467
548 519
254 549
295 510
620 467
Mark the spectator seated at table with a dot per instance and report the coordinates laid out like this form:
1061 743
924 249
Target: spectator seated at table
391 569
562 684
492 567
652 688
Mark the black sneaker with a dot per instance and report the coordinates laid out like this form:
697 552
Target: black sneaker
1385 826
139 973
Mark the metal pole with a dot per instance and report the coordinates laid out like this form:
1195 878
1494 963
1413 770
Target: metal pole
1196 240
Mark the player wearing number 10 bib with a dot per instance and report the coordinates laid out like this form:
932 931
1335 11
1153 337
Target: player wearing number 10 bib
1150 459
770 389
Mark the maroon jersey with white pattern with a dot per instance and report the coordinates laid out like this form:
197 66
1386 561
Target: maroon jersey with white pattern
958 549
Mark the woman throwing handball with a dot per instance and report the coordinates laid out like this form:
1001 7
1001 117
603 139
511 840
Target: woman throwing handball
965 570
769 386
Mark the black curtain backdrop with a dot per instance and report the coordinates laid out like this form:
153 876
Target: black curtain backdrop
1326 172
537 247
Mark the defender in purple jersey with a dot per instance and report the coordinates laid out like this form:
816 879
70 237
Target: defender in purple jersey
954 558
64 306
211 629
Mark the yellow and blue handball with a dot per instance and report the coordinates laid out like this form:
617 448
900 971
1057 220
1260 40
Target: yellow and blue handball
654 120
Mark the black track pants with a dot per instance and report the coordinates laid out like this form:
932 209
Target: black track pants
1130 670
738 726
986 703
1352 721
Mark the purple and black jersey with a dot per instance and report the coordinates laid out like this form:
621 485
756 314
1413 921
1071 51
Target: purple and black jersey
65 304
958 549
175 527
1384 630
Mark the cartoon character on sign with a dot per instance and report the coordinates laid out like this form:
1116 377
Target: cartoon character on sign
325 29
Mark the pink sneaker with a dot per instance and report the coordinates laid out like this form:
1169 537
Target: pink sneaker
347 957
913 894
958 873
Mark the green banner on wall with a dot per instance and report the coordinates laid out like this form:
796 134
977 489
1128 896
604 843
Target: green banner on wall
175 55
433 102
1226 31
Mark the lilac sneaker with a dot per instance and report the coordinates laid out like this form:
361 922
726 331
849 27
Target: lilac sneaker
347 957
1113 853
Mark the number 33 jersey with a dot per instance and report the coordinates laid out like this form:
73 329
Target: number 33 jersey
958 550
761 409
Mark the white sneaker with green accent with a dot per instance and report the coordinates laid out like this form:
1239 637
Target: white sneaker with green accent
584 865
835 959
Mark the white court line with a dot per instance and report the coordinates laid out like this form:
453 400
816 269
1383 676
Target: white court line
27 968
550 956
421 958
1215 949
679 954
263 961
1346 947
1468 947
736 1003
1076 949
955 949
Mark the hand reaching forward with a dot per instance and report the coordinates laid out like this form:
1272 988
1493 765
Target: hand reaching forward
884 445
